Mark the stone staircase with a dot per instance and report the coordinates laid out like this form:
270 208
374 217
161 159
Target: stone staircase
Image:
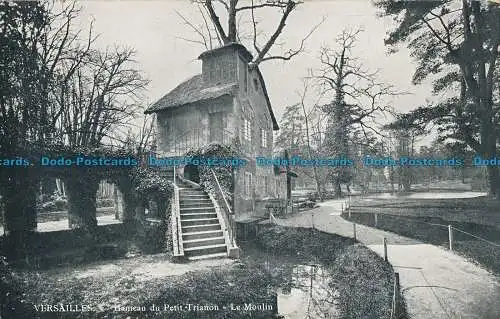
202 233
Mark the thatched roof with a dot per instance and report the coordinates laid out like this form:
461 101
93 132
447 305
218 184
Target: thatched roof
195 90
190 91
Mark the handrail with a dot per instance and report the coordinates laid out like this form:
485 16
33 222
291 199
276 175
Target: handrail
228 213
176 224
220 190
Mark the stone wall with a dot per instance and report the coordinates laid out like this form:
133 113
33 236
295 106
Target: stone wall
185 127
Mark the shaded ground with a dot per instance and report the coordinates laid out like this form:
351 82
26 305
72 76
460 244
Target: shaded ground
111 288
436 283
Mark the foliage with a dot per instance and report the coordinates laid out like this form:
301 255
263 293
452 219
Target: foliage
456 45
312 243
364 283
150 184
361 278
223 173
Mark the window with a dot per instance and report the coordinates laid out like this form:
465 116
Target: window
225 74
218 72
247 131
248 184
256 84
263 140
245 78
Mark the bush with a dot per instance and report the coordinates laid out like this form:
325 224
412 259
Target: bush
362 279
150 184
223 173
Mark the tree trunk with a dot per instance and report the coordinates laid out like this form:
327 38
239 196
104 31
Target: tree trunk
19 197
82 192
338 189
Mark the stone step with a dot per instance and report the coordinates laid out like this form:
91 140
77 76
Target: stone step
194 200
199 221
209 256
200 228
205 250
195 205
193 196
202 234
187 216
191 191
203 242
197 209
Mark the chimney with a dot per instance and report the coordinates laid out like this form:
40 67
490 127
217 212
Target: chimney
219 66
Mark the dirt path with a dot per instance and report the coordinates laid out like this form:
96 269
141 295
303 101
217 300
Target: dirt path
436 283
106 284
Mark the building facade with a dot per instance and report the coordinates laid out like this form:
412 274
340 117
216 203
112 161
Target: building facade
227 104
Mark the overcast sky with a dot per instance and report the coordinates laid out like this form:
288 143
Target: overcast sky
152 28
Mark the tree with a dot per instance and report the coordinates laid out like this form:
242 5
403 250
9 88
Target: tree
236 16
358 98
460 44
94 102
57 89
23 115
307 118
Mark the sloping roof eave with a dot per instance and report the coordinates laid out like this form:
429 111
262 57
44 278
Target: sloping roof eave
268 101
160 109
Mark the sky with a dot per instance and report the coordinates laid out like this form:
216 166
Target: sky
153 29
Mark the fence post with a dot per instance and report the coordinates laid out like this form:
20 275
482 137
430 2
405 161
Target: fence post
174 174
450 236
342 208
385 249
354 230
349 207
396 295
376 220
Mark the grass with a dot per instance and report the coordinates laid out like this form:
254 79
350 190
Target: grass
362 281
427 220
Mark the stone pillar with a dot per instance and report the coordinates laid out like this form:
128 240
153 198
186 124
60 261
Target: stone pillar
81 190
118 203
140 210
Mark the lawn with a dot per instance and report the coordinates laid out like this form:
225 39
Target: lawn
362 281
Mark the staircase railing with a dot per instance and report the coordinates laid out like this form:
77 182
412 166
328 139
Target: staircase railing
228 214
176 224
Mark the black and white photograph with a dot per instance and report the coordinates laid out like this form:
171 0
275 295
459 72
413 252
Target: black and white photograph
293 159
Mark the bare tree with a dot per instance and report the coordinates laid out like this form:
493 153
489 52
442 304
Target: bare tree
307 117
99 96
358 98
239 15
